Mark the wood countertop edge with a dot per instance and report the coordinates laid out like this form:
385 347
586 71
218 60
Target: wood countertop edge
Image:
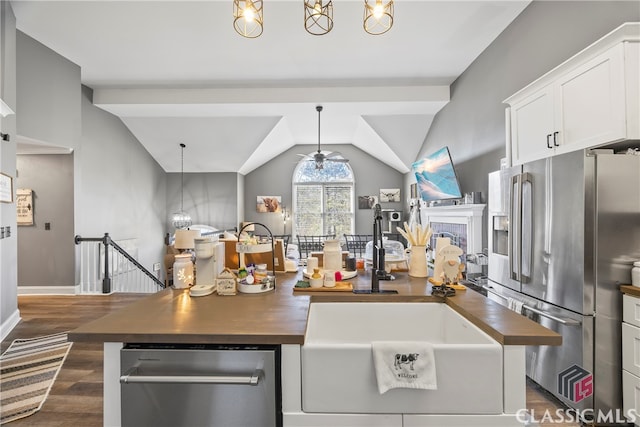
630 290
532 333
186 338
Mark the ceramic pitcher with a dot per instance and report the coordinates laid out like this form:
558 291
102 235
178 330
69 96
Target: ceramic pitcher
418 261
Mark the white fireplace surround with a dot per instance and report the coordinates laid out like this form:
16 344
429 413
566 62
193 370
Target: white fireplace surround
470 215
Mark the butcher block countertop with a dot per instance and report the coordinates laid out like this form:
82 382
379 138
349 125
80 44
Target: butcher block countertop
634 291
280 316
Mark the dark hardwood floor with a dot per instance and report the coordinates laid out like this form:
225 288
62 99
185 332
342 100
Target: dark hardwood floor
76 396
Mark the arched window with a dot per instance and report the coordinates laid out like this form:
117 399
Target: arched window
323 201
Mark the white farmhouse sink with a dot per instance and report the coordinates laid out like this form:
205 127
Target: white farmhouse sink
338 374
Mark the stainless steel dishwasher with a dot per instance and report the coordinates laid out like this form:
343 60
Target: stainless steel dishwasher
200 385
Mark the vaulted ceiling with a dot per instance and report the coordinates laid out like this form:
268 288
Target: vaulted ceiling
176 71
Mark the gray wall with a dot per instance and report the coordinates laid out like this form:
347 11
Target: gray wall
545 34
49 94
9 314
119 187
51 251
49 105
274 178
210 198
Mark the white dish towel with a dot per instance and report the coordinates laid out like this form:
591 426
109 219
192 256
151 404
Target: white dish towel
404 364
515 305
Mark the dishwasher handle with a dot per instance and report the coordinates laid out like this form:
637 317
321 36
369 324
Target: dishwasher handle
130 377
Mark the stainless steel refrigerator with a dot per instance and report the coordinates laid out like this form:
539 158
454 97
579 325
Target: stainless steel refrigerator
562 234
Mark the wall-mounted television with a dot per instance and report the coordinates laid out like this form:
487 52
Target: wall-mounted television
436 177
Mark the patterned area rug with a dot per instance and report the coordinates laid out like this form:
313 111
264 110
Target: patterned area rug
27 371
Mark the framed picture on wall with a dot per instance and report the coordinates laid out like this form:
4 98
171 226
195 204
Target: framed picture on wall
269 204
389 194
6 188
367 202
24 206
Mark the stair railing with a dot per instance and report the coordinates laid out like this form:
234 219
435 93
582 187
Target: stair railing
106 267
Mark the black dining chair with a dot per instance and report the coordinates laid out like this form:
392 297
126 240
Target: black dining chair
357 243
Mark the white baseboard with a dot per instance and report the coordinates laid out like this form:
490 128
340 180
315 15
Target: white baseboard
46 290
8 325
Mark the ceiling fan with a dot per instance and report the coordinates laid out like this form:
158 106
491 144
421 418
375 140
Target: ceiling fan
319 158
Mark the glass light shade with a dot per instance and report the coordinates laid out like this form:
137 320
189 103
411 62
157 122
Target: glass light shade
248 18
378 16
182 271
318 17
181 220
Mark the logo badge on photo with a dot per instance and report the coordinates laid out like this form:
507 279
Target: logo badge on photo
575 383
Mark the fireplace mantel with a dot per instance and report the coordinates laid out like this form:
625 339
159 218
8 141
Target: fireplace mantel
470 216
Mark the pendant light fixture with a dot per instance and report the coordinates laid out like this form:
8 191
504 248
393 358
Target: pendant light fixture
318 17
248 18
378 16
181 219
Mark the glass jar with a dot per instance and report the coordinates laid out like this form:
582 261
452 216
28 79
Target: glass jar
182 271
635 274
260 273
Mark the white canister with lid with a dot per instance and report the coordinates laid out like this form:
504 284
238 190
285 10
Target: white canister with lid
332 255
635 274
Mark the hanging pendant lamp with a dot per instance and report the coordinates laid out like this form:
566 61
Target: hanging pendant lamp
248 18
378 16
318 17
181 219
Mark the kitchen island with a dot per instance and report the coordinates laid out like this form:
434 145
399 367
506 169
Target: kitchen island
280 318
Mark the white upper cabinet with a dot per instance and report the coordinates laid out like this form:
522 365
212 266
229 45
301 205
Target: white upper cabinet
589 100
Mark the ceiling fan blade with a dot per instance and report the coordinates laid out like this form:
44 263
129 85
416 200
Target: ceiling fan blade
337 160
333 154
305 155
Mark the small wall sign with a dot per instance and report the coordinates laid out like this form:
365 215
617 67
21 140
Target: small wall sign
24 206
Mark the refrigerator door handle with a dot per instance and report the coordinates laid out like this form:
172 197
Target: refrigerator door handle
515 214
563 321
526 225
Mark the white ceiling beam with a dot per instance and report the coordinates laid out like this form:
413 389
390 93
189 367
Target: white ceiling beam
249 96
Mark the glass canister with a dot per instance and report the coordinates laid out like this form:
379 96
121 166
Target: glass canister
182 271
260 273
332 255
635 274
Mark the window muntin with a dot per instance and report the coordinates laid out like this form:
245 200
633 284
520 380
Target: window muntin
323 199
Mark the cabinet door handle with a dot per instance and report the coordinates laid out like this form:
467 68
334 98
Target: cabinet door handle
548 142
555 139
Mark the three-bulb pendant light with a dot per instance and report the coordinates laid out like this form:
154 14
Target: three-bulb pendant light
181 219
318 17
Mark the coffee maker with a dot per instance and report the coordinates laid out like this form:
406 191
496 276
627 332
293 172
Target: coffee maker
209 260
